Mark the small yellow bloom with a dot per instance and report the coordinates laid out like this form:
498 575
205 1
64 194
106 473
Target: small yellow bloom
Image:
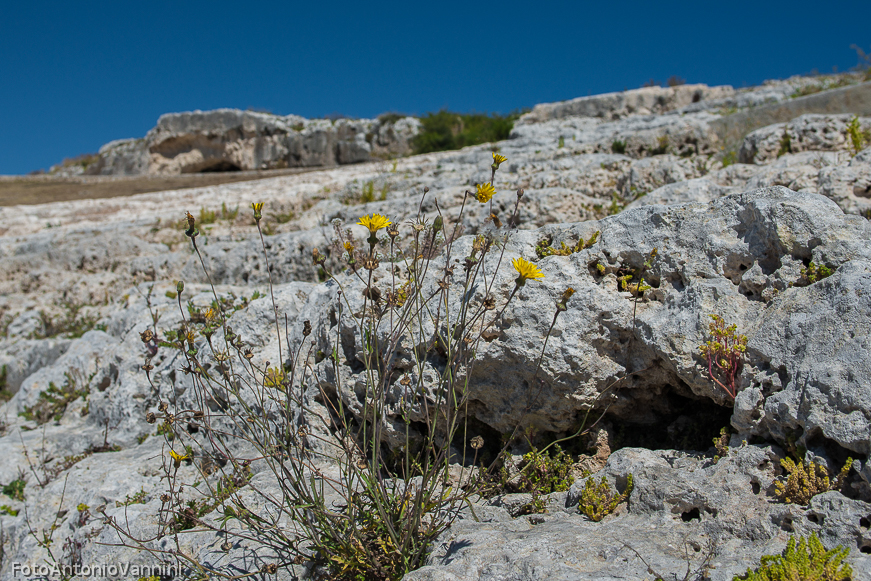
176 457
257 207
498 160
375 222
210 314
349 247
526 270
485 192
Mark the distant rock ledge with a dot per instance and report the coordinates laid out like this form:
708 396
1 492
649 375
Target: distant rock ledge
231 140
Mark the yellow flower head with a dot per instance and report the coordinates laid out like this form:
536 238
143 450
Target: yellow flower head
257 207
526 270
375 222
498 160
485 192
349 247
176 457
210 314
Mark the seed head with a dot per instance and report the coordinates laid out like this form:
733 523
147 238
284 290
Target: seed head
306 328
150 417
477 443
163 406
192 231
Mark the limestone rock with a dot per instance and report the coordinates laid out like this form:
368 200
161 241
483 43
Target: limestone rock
806 133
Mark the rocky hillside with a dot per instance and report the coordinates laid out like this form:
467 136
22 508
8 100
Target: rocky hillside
755 202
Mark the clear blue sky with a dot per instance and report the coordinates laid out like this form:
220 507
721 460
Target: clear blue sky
74 75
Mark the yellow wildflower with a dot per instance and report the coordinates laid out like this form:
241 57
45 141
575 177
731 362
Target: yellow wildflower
526 270
349 247
485 192
177 458
257 207
375 222
498 160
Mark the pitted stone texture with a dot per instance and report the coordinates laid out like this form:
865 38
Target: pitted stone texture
805 133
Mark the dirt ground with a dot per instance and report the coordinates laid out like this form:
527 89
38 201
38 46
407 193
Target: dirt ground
42 189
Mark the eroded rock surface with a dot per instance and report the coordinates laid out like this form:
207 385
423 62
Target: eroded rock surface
735 240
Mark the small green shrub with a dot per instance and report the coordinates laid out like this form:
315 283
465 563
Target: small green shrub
724 355
561 143
227 214
539 473
544 248
14 490
138 498
721 444
53 402
72 325
815 272
445 130
618 146
598 500
858 138
208 216
806 480
785 144
6 509
808 562
729 158
5 393
661 146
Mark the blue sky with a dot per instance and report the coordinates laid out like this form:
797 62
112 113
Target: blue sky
74 75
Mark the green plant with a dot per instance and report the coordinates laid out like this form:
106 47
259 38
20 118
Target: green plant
618 146
661 146
721 444
785 144
208 216
5 393
598 500
729 158
806 480
724 355
858 138
6 509
165 429
446 130
138 498
72 325
397 499
544 248
14 490
815 272
809 561
561 143
368 194
53 402
538 473
227 214
284 217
